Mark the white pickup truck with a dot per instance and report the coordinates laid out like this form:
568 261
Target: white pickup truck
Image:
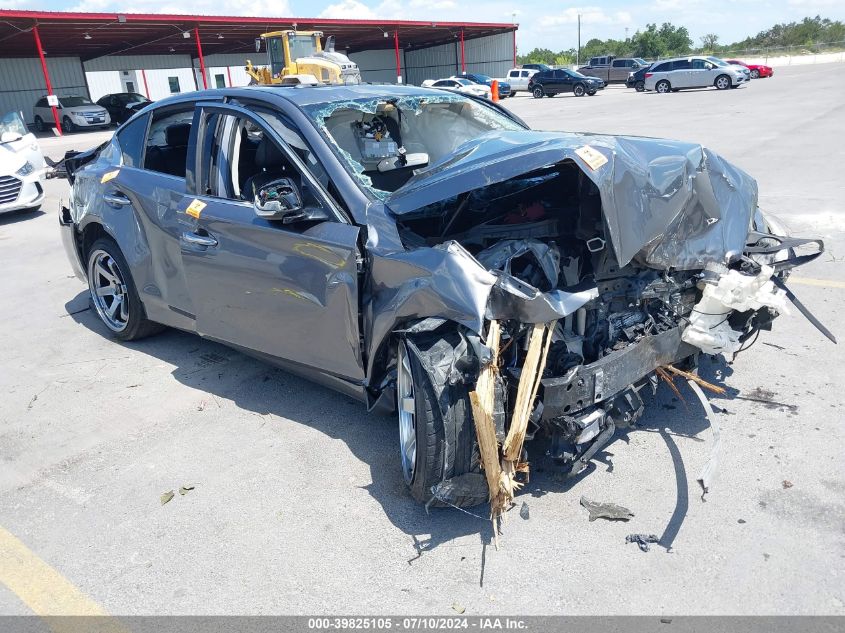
518 78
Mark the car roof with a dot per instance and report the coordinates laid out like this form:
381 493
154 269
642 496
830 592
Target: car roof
306 95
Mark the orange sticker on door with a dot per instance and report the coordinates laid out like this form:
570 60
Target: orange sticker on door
591 156
109 175
195 208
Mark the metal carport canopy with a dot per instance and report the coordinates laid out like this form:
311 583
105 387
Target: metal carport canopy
91 35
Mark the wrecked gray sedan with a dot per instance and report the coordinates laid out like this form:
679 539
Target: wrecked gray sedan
430 255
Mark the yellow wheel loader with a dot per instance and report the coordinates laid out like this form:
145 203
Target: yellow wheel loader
298 57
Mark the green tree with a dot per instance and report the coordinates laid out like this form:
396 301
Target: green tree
676 38
648 43
709 42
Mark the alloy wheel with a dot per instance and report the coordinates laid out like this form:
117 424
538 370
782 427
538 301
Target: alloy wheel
108 290
407 408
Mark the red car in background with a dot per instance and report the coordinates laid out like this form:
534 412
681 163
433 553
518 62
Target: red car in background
757 70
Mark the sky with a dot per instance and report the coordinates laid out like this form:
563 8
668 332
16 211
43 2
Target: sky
542 24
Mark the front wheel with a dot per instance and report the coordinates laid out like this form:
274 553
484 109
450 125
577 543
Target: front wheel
113 294
578 90
537 92
663 86
68 125
592 93
755 74
436 431
639 86
723 82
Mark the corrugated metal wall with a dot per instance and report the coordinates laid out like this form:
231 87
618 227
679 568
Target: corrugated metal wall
379 66
492 55
434 62
130 62
22 82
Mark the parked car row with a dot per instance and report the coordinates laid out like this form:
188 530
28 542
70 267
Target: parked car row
76 111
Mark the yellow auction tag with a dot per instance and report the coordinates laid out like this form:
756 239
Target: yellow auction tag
109 175
195 208
591 156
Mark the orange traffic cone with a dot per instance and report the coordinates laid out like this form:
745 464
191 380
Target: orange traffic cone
494 90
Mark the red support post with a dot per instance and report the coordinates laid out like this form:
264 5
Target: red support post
202 59
514 47
229 73
46 77
146 87
398 65
463 59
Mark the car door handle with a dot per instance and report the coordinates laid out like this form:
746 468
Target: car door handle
198 240
116 199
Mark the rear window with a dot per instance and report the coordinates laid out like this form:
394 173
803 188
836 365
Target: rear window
681 64
662 68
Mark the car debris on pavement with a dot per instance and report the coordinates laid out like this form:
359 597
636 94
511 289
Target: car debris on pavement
642 540
609 511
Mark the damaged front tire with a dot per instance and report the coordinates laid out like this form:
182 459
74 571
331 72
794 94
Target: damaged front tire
436 432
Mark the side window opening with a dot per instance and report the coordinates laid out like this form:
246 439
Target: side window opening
244 159
167 142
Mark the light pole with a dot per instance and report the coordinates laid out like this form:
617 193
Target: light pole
578 54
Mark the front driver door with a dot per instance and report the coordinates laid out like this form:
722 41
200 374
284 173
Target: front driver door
289 291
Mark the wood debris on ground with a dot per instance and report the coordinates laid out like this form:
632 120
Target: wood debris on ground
500 470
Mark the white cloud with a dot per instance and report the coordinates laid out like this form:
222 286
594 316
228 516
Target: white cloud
389 10
589 15
348 10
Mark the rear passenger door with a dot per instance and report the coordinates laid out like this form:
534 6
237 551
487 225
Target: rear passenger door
285 290
681 74
147 192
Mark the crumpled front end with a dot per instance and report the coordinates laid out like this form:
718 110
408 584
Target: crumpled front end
615 262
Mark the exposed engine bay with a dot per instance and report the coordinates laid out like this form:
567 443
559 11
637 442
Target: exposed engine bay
617 325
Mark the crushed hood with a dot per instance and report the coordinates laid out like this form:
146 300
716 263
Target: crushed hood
667 204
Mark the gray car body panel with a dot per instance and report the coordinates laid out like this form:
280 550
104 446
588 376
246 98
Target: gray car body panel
668 204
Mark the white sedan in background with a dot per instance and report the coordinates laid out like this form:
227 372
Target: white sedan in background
457 84
21 166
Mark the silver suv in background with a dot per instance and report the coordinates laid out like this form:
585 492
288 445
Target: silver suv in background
671 75
518 78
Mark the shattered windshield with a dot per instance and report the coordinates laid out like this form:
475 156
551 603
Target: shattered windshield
383 141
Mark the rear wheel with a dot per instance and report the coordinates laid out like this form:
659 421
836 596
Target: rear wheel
663 86
723 82
537 92
436 431
755 74
639 86
578 90
39 124
113 293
